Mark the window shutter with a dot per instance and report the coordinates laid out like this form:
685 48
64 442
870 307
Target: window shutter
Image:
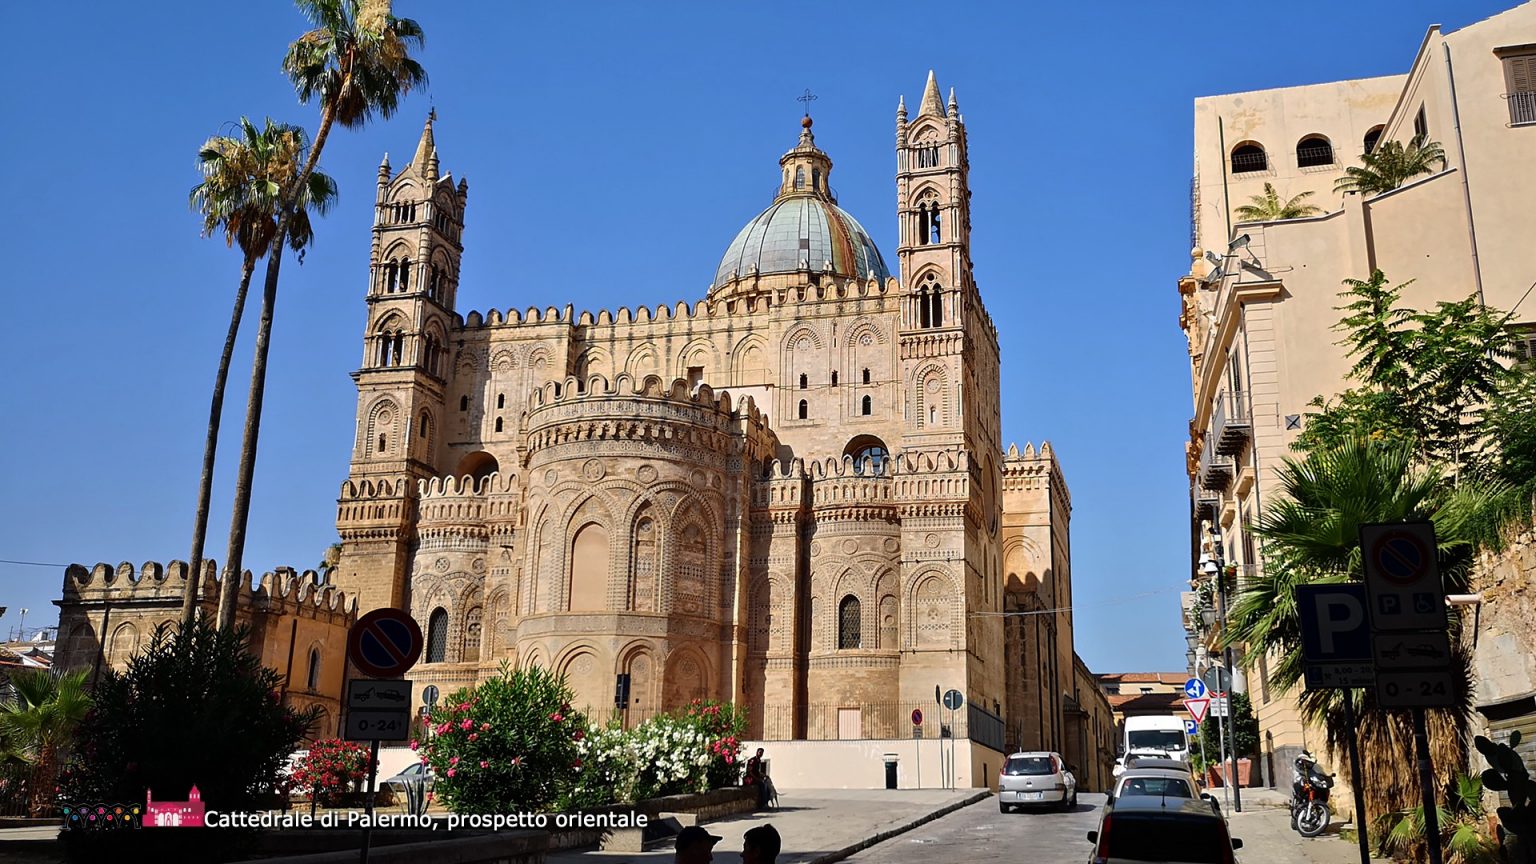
1522 73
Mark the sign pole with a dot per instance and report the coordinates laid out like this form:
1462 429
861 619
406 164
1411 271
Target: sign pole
1357 777
373 776
919 757
1427 786
1221 737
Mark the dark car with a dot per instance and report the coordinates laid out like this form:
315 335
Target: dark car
1166 830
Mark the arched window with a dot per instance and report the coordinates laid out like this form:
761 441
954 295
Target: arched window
799 178
421 428
867 406
834 377
498 424
1372 137
848 622
312 682
501 400
933 223
1249 156
805 380
472 626
866 376
867 448
805 410
1312 151
405 275
437 636
463 403
816 179
382 441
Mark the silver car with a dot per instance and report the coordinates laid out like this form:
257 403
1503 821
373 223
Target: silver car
1171 783
1034 780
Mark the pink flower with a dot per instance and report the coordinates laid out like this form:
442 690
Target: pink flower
484 764
463 706
576 765
577 736
557 717
517 760
453 761
466 724
485 727
415 744
424 760
451 771
473 736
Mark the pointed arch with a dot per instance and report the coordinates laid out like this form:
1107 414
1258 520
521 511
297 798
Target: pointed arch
645 541
381 433
934 622
931 396
749 362
588 561
643 360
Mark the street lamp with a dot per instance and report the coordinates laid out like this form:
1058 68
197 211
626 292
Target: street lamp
1211 565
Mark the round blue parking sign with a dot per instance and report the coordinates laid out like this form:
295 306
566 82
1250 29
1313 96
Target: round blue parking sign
384 643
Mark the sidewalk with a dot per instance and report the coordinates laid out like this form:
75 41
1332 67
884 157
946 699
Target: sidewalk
815 825
1267 836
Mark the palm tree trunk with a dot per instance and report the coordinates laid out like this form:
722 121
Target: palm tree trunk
233 564
194 586
234 558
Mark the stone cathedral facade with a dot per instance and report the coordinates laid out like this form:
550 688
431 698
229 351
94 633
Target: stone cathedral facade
791 493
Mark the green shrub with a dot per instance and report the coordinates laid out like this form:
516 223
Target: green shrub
193 707
506 744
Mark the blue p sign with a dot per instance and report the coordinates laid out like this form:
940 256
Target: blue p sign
1334 625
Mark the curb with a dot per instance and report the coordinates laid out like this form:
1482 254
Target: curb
867 842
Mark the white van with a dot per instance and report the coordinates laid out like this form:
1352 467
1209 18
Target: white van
1161 737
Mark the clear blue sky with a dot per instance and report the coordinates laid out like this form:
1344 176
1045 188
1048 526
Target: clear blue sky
613 150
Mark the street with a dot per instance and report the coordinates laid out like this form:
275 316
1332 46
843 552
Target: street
979 833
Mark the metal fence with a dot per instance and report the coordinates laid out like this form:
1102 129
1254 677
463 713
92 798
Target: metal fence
15 799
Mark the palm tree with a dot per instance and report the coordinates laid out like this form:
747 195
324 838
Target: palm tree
1463 828
238 197
1311 534
1269 208
37 724
1390 164
357 61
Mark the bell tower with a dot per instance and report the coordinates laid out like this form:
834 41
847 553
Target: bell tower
413 279
951 426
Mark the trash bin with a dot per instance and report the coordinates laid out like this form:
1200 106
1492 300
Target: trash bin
890 770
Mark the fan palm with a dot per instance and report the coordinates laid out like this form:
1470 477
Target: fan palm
357 62
1390 164
1269 208
1462 826
243 176
37 723
1311 534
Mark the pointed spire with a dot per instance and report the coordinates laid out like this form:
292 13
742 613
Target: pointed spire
901 107
954 107
426 146
432 174
933 103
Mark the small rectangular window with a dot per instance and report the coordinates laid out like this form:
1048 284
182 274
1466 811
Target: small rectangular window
1520 79
1421 124
695 376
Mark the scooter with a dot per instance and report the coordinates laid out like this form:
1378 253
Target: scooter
1309 796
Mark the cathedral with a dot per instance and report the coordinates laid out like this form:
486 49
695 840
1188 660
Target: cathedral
790 493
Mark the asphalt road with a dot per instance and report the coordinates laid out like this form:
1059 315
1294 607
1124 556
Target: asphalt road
979 833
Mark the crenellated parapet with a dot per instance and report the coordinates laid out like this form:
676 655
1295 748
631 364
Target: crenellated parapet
373 509
283 591
1032 469
848 490
701 311
646 412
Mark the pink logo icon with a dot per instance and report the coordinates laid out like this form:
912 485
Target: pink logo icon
174 814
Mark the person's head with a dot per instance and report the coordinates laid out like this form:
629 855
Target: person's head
760 845
759 752
695 846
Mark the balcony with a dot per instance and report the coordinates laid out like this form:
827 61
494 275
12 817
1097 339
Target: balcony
1522 108
1216 470
1231 423
1207 505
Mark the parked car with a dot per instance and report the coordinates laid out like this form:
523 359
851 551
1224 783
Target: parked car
1035 779
413 771
1174 782
1166 830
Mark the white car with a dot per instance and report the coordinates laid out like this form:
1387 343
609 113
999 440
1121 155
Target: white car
1034 780
1170 782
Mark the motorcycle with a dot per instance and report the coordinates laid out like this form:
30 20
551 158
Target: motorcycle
1309 796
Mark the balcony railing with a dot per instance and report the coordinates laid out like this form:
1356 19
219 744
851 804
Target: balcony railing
1232 422
1215 469
1207 505
1522 108
1314 156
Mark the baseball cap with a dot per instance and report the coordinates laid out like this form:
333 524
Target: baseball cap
694 834
764 837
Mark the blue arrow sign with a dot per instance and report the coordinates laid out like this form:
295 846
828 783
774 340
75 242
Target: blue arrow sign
1194 688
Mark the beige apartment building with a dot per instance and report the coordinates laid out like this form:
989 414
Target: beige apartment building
1258 303
789 490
